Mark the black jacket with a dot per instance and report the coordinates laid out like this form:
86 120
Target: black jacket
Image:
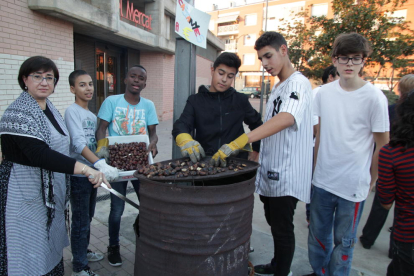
217 119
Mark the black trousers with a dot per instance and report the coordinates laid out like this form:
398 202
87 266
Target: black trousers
402 263
279 213
376 220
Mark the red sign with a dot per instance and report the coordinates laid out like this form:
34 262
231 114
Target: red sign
135 15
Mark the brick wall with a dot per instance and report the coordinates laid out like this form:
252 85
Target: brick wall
160 82
24 33
203 71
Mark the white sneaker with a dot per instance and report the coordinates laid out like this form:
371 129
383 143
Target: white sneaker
85 272
290 274
94 256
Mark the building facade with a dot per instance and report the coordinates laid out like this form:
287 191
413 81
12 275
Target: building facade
104 38
238 24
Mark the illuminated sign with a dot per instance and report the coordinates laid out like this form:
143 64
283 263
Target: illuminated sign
135 15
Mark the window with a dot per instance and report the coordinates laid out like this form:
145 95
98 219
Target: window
211 25
249 39
397 16
249 59
319 10
250 20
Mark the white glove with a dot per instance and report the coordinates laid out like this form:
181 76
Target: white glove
110 172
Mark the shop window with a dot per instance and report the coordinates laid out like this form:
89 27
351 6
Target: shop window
319 10
249 59
250 20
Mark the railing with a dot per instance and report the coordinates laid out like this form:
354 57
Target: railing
231 47
228 29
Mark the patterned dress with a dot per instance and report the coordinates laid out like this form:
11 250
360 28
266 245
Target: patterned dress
31 248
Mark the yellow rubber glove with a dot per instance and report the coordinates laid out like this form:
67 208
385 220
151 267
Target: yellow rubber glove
102 150
189 147
219 158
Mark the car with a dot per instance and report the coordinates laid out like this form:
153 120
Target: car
252 92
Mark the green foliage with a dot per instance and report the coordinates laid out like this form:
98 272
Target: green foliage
310 39
391 96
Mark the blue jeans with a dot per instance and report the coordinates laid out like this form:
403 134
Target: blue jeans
330 212
83 201
117 209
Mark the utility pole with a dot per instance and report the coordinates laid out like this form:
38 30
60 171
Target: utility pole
184 78
264 86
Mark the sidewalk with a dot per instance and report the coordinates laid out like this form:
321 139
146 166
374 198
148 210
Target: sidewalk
371 262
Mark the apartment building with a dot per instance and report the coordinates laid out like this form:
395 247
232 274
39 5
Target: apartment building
239 25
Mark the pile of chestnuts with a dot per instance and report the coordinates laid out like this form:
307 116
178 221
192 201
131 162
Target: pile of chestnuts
184 168
128 156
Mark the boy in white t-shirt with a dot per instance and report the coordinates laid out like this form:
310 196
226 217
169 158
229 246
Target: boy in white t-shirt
353 116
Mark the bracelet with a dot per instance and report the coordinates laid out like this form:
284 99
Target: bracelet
83 169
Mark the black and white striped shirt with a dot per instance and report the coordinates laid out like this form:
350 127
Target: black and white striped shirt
286 157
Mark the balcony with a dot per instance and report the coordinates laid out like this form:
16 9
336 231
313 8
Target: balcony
230 47
228 29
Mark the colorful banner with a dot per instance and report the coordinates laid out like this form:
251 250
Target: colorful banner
191 24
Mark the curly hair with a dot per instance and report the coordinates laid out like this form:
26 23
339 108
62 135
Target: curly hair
403 128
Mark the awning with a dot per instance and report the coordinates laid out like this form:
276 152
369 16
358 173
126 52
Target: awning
231 18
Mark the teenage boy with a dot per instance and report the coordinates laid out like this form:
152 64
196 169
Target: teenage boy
216 114
81 124
329 75
353 116
284 176
125 114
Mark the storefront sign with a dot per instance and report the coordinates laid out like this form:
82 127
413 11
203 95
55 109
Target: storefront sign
191 24
135 15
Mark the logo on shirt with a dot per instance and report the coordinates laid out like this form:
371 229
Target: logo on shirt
276 106
294 95
129 121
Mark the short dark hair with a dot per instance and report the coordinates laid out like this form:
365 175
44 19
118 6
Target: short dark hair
272 39
351 43
228 59
139 66
329 71
74 75
34 64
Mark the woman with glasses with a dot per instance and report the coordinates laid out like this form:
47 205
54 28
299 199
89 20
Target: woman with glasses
34 176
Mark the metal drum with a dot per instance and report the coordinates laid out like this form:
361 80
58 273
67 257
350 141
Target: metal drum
195 230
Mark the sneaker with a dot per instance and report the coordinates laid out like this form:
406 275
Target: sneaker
94 256
266 269
251 250
85 272
312 274
114 257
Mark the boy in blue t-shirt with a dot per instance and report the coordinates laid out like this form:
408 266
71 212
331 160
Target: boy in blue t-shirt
125 114
81 124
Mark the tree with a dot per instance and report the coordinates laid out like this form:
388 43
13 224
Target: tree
311 38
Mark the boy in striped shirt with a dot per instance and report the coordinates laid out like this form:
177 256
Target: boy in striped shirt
284 176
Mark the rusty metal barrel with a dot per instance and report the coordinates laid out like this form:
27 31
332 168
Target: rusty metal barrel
195 230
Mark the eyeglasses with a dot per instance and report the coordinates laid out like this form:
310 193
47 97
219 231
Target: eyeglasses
345 60
39 78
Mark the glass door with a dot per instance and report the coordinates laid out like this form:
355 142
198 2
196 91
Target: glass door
107 74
